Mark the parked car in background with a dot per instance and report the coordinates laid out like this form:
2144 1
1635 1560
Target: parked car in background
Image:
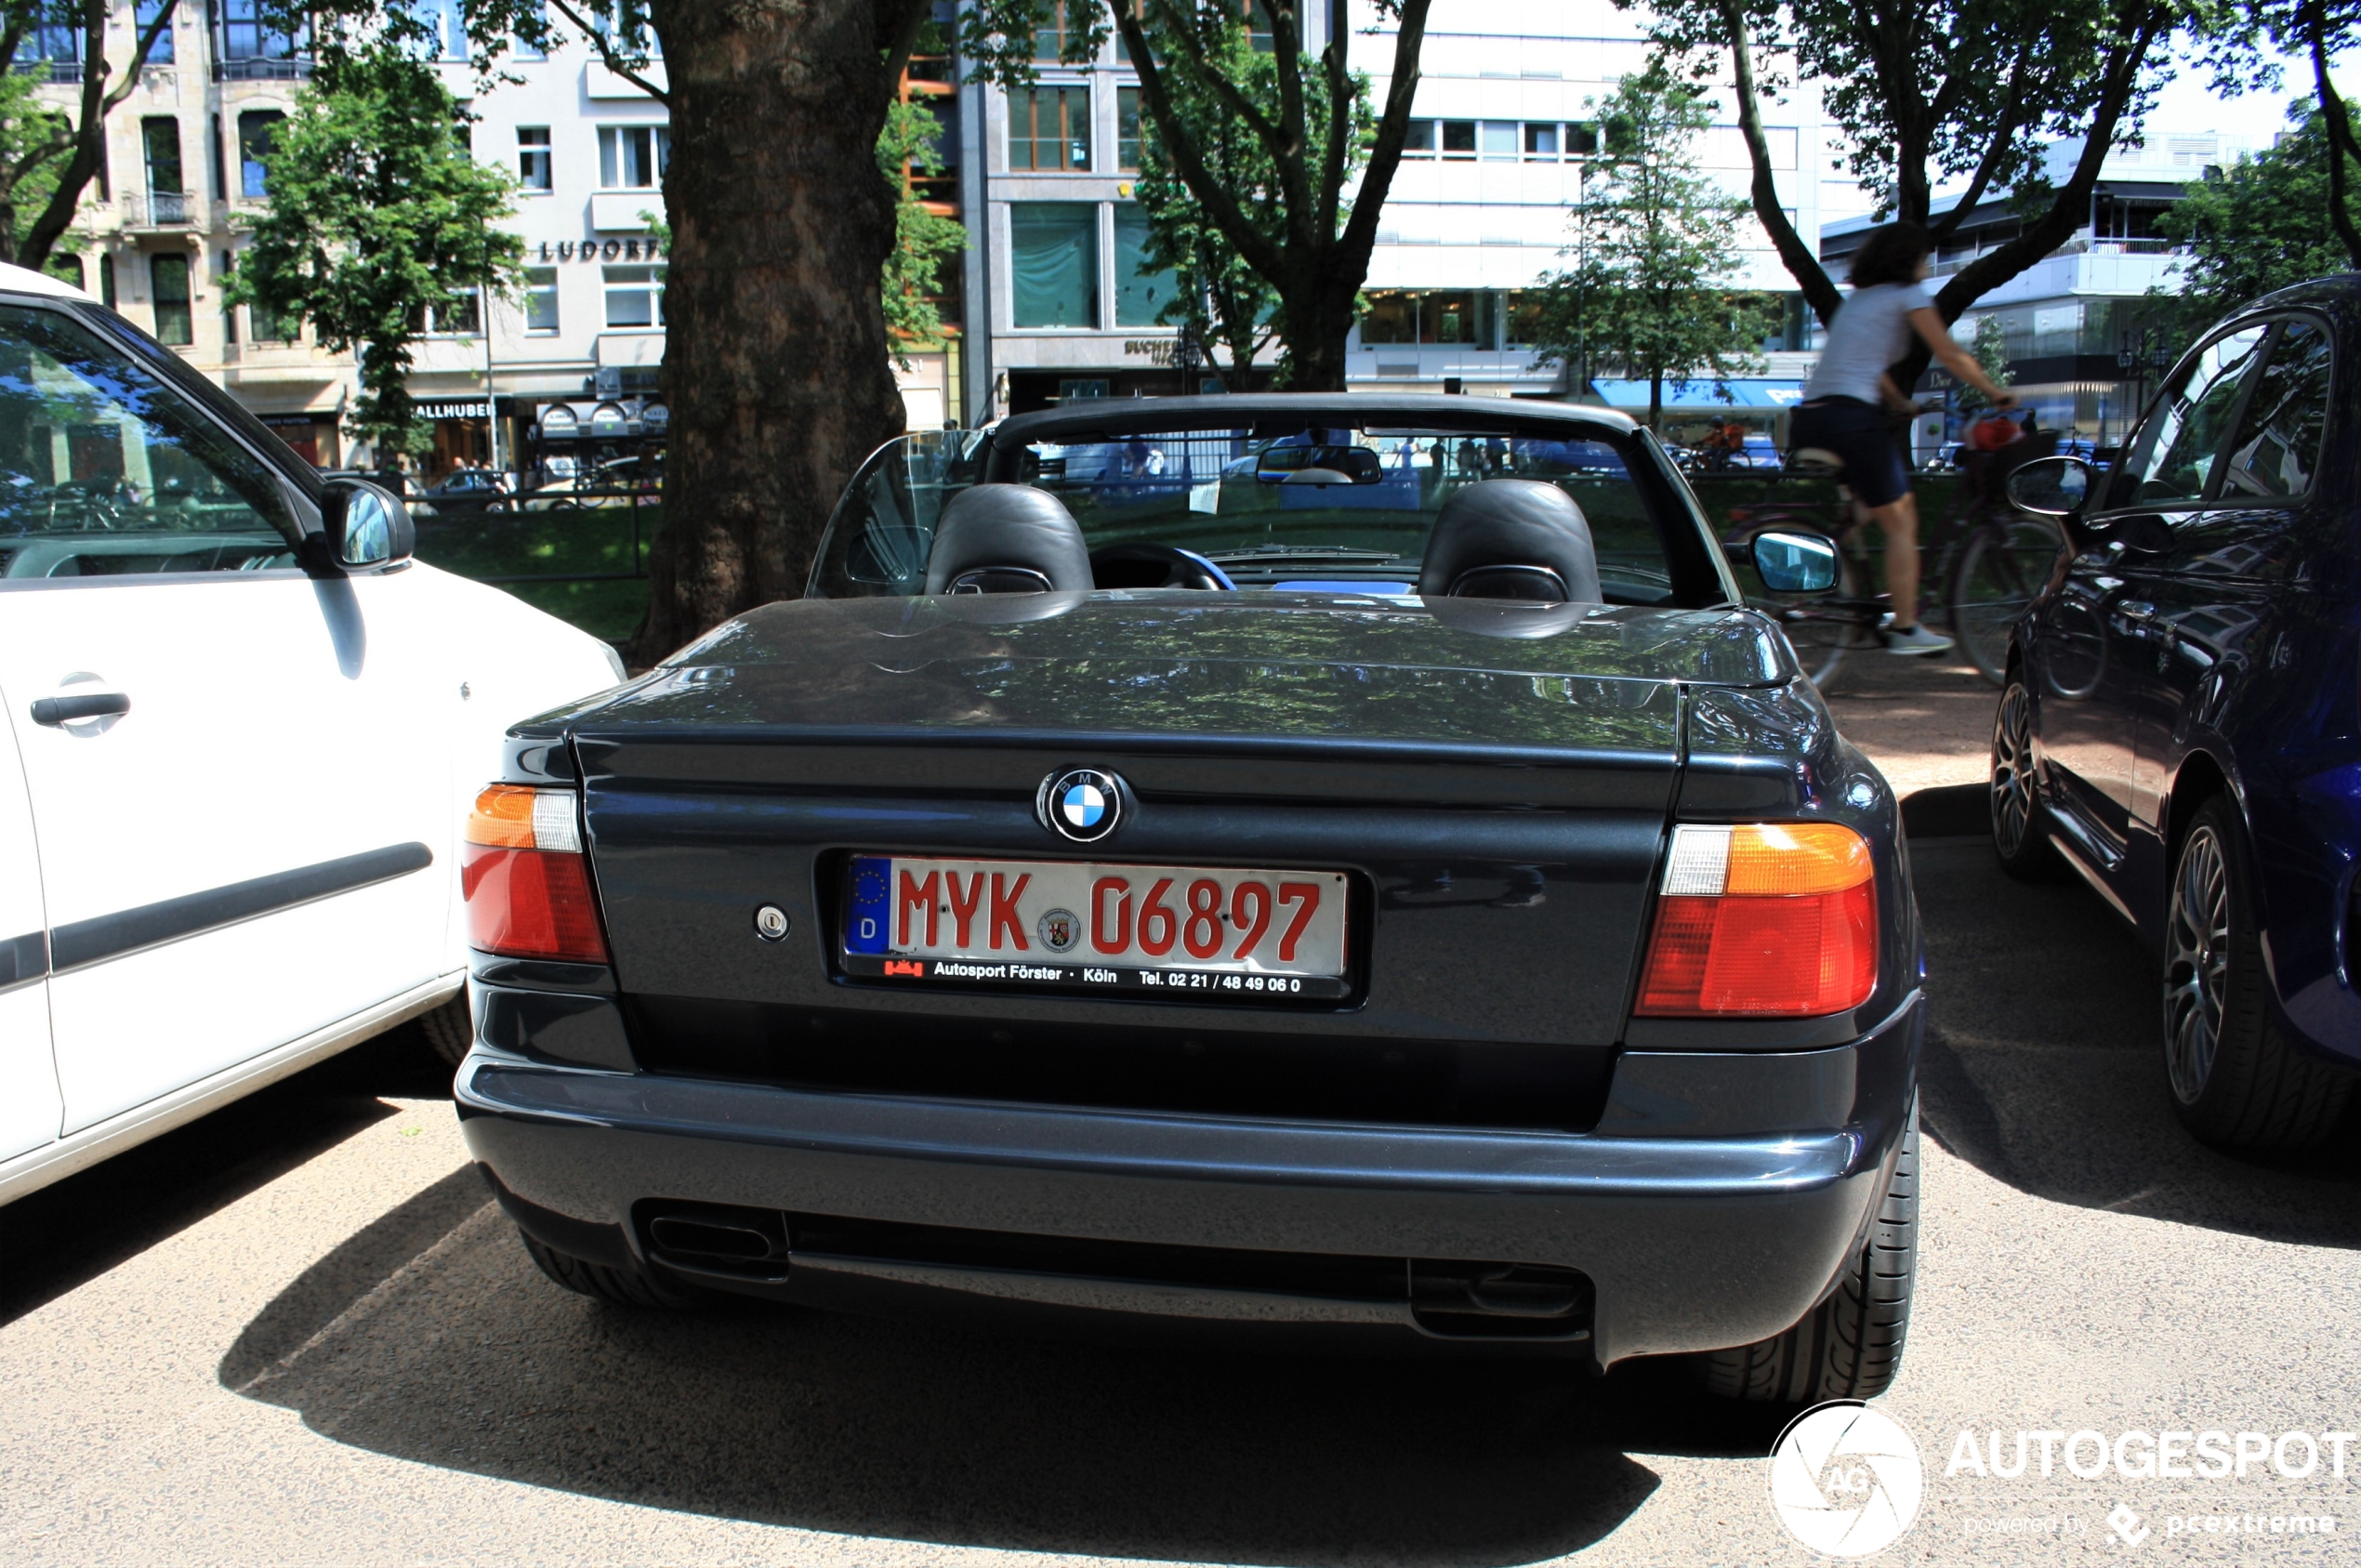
1283 885
464 493
240 728
616 483
2181 722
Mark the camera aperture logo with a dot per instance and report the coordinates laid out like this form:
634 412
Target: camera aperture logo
1846 1479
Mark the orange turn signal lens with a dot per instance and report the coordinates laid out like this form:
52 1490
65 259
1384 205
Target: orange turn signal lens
1764 919
526 879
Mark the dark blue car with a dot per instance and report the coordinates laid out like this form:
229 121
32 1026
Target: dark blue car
2180 719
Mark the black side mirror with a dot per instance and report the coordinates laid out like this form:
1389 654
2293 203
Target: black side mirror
1791 561
2053 486
368 528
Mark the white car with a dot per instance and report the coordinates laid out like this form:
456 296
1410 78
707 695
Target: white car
241 731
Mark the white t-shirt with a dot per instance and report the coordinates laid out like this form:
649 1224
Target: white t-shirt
1871 332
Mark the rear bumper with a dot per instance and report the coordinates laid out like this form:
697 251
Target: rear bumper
1714 1207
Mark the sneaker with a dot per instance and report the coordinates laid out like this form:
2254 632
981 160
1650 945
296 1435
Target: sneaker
1918 640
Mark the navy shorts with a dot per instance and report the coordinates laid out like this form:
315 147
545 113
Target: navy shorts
1855 431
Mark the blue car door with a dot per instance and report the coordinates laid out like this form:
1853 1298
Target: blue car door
2093 648
2217 610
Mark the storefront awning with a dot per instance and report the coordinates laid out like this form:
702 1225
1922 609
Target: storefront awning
1743 393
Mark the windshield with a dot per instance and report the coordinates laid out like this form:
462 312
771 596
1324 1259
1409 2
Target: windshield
1320 508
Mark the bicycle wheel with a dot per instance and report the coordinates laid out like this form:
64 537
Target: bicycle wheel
2001 566
1820 628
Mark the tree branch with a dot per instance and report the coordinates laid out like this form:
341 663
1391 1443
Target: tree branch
609 56
905 42
2338 122
1994 155
1393 129
1797 257
1295 189
1220 202
142 47
2070 206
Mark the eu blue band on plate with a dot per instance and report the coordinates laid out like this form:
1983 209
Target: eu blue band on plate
867 919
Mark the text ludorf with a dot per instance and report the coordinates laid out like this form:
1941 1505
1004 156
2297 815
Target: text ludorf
595 250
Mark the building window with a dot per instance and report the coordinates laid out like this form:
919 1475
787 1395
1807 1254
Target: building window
1541 143
1141 289
245 36
270 327
168 276
106 281
56 43
1392 317
635 296
1054 263
541 301
254 129
1582 141
1420 140
144 18
160 139
1049 37
1458 137
1127 129
1499 139
532 158
1525 318
222 270
1049 129
633 157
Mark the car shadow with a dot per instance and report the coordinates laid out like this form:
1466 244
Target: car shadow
452 1350
2043 1066
70 1231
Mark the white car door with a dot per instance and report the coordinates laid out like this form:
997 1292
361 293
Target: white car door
29 1110
237 791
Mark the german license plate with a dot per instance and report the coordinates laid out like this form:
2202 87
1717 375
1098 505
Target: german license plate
1226 935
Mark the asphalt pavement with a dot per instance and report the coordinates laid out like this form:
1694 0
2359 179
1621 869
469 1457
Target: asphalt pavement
295 1332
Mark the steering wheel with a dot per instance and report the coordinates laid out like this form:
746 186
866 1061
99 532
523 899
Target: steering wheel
1155 566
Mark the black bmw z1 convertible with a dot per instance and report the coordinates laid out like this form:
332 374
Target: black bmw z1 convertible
1334 866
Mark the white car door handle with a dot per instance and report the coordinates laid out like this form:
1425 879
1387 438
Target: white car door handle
53 711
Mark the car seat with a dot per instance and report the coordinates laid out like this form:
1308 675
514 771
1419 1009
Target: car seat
1511 538
1008 538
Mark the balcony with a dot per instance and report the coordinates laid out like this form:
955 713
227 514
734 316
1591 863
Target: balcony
257 68
160 209
58 71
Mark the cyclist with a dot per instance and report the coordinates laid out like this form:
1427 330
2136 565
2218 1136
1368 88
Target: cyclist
1841 409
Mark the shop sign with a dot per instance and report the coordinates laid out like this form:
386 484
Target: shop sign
1155 351
453 410
599 250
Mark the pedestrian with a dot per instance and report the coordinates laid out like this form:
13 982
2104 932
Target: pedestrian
1841 412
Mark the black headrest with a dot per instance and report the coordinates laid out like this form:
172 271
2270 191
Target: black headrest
1510 538
1008 538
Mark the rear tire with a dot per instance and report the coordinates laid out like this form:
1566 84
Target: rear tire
1850 1346
2020 832
2237 1082
620 1287
450 1029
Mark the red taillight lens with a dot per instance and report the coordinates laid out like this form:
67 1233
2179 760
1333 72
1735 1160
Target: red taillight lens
1767 920
526 880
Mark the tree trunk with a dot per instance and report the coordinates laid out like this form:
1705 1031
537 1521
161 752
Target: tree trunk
1317 314
776 366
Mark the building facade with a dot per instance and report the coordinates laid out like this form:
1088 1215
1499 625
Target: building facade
1502 143
560 379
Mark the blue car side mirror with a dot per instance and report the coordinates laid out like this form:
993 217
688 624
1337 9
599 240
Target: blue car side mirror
1795 561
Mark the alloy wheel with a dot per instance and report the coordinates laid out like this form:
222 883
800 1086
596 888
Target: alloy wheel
2013 770
2196 970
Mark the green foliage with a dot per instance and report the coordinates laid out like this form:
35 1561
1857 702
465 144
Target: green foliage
1651 245
34 142
921 239
1991 351
2259 225
1220 300
376 213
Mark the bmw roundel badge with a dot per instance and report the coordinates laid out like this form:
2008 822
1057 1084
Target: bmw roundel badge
1082 804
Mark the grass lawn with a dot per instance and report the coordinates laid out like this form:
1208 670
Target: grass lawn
554 544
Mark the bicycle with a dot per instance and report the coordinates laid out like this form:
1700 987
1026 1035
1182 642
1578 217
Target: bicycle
1990 556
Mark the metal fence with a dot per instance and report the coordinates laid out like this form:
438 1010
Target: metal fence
473 526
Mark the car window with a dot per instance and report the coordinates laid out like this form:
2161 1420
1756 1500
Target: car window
106 469
2277 447
1248 501
2178 446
